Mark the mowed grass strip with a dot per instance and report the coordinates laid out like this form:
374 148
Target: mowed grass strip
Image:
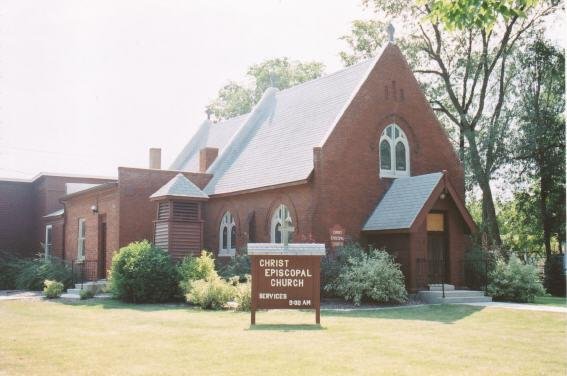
48 338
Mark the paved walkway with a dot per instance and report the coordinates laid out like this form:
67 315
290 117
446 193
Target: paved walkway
19 294
525 307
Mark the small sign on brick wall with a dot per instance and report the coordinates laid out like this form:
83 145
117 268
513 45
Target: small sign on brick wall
285 277
337 236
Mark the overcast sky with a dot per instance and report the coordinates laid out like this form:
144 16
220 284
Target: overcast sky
87 86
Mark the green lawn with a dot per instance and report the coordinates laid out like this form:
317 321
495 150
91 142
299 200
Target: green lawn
551 300
42 338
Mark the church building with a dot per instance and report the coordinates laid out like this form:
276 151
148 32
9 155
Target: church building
357 155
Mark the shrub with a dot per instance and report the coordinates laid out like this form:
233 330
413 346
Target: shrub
196 268
87 294
52 289
25 274
143 273
555 275
514 281
244 294
8 271
213 293
374 276
239 265
333 265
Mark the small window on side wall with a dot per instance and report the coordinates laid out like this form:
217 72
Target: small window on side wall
81 239
48 247
394 153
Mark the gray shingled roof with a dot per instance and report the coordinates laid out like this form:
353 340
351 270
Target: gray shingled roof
214 135
402 203
274 143
180 186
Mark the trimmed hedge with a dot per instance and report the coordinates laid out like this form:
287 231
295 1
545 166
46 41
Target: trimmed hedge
143 273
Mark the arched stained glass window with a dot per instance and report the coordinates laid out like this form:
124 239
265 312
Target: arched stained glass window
394 161
385 155
280 215
227 235
400 156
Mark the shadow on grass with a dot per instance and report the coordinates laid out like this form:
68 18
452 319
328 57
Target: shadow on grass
287 327
117 304
444 313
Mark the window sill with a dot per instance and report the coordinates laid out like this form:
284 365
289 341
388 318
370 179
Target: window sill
227 253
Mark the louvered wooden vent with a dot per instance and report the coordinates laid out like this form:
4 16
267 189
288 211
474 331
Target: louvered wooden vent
163 210
185 211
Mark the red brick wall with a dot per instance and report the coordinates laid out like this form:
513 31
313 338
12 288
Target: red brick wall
137 212
17 214
347 173
47 190
299 200
80 207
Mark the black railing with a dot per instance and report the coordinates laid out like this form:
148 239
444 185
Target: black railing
472 272
84 271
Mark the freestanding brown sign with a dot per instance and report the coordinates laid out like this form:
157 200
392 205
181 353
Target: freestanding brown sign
286 277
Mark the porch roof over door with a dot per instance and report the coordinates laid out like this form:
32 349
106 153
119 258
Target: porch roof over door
407 198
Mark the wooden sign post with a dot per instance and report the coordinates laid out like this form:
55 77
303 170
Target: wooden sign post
286 277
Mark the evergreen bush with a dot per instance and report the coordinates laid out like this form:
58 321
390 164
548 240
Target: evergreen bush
333 264
30 274
143 273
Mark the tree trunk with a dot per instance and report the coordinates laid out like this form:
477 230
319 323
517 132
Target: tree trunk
490 223
544 213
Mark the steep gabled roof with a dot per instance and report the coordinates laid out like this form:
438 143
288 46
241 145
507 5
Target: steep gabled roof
180 187
400 206
214 135
273 144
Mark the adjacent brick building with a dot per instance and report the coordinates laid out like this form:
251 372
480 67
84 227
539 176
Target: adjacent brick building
357 155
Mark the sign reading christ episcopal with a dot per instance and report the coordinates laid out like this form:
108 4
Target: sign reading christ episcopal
285 276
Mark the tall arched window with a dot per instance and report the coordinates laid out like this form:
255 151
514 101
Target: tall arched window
394 152
280 215
227 235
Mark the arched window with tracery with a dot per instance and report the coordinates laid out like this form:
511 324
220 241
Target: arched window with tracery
394 152
280 215
227 235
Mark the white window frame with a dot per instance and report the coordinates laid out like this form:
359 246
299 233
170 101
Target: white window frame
48 247
279 216
227 222
393 141
81 240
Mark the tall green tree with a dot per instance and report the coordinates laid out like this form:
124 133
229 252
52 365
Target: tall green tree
540 147
236 99
464 68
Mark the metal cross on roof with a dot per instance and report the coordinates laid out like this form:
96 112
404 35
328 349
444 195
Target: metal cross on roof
286 229
390 31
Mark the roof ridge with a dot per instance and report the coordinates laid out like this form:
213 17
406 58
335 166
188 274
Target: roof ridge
231 146
327 75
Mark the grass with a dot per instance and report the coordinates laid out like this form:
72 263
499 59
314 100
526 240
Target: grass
551 301
43 338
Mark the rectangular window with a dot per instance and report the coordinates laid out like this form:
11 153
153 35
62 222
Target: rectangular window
48 247
435 222
81 239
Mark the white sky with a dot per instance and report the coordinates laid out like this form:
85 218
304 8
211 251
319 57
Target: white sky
87 86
